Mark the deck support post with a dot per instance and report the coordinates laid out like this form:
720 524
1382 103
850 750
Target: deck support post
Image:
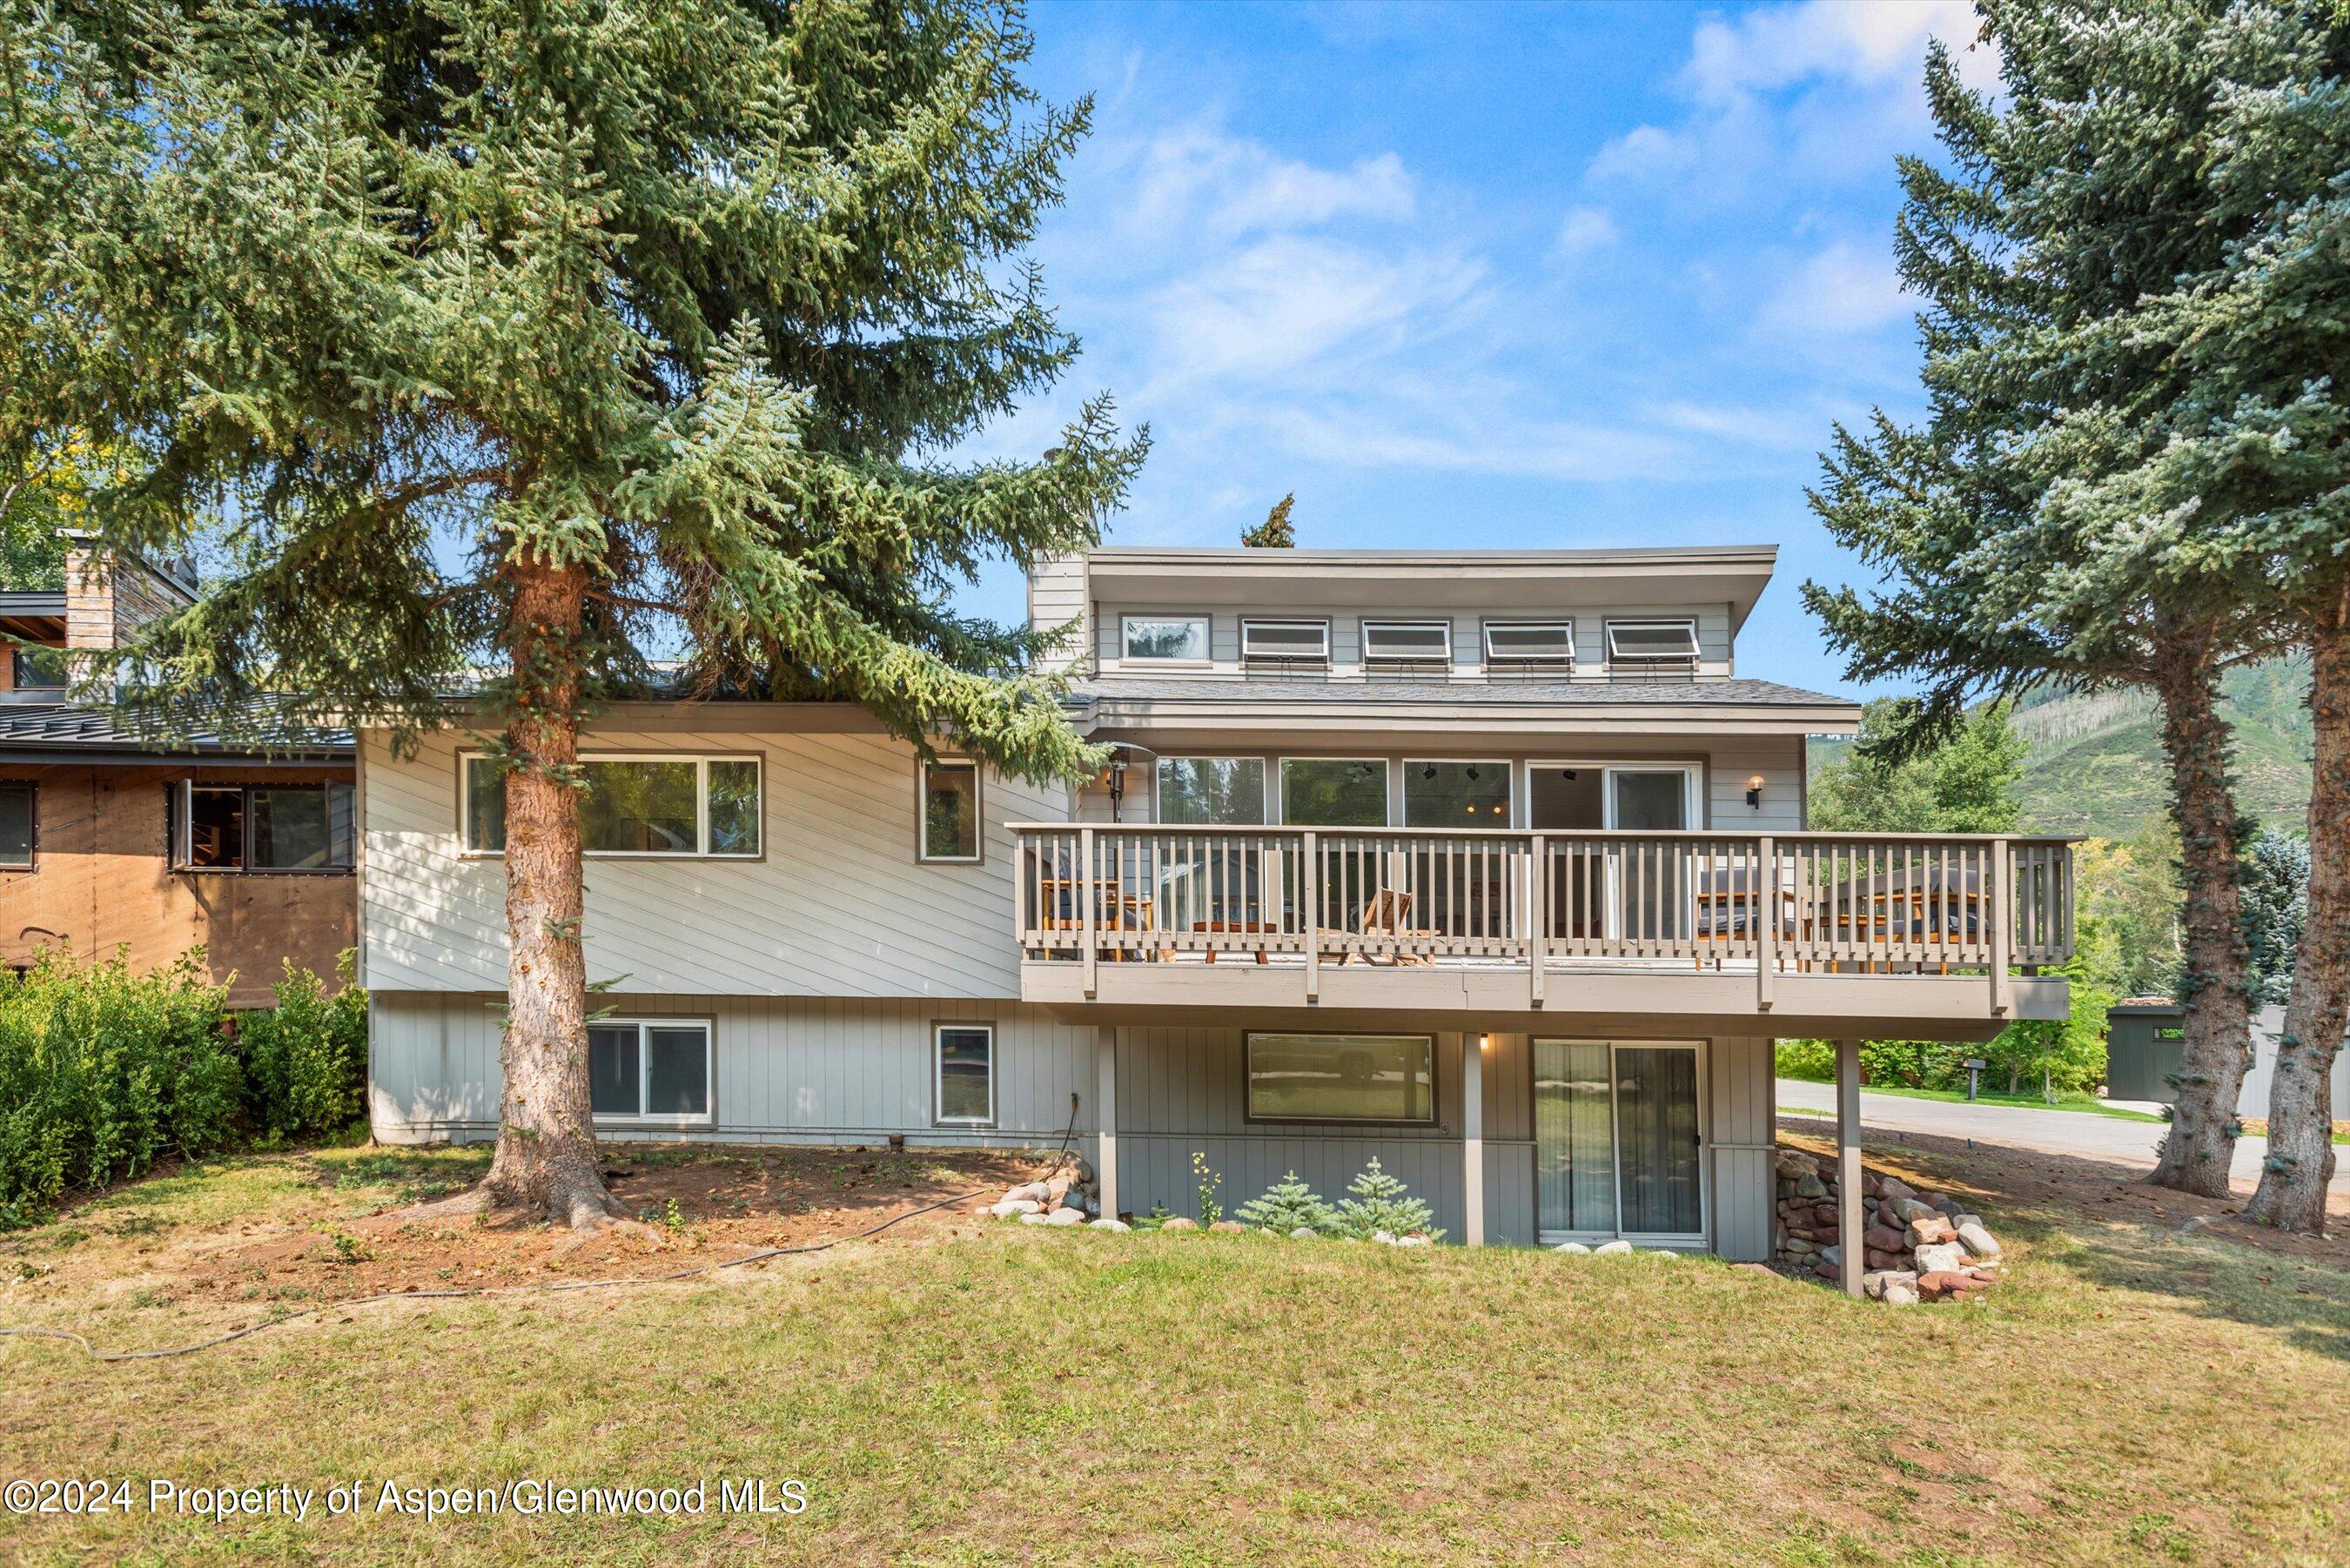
1472 1139
1848 1199
1105 1115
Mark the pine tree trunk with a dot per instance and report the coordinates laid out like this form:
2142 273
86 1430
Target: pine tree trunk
2300 1161
2214 984
545 1160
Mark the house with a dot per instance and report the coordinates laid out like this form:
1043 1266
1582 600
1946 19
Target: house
1488 864
114 841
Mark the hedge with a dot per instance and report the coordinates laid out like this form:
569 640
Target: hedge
104 1071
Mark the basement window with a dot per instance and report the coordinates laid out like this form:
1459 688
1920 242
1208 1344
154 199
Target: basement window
649 1069
1385 1078
964 1088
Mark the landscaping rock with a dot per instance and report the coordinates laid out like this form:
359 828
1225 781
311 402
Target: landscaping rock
1931 1232
1876 1237
1611 1249
1976 1240
1022 1207
1798 1245
1900 1296
1227 1225
1811 1187
1415 1240
1911 1210
1058 1188
1662 1253
1893 1187
1874 1285
1107 1223
1384 1238
1036 1191
1576 1248
1034 1218
1305 1233
1832 1256
1947 1257
1066 1217
1181 1222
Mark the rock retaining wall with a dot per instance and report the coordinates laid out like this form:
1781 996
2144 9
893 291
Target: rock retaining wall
1918 1246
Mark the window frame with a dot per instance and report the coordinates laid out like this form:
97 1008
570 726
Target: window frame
701 760
1281 790
1508 765
180 827
1265 787
939 1027
1205 622
922 855
1434 1119
1408 664
1651 663
1321 661
32 861
642 1118
24 653
1508 664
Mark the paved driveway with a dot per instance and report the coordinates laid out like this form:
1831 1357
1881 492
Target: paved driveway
2051 1132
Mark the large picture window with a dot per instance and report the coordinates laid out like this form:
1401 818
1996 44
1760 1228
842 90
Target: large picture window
1225 791
1456 794
263 827
951 810
18 799
649 1069
964 1086
1342 1078
1333 792
653 806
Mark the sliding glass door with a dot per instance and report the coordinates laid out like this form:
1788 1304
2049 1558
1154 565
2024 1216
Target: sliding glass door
1619 1141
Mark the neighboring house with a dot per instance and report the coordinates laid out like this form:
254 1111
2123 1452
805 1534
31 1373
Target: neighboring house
1488 863
110 841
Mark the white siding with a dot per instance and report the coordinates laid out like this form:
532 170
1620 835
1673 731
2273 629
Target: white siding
837 906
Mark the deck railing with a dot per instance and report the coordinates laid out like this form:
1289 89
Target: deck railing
1773 903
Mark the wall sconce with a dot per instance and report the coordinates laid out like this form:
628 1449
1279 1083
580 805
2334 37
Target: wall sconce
1116 783
1755 791
1484 1043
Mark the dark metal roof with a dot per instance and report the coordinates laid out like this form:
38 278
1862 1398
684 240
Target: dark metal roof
1733 692
73 731
32 601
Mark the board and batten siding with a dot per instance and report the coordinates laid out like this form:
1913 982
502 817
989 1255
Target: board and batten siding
837 904
1743 1094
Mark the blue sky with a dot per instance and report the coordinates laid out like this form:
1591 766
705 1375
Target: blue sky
1488 275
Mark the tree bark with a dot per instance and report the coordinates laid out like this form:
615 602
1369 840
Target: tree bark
2215 982
2299 1162
545 1159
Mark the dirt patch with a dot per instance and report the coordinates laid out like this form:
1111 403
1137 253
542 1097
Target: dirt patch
1998 1179
698 1206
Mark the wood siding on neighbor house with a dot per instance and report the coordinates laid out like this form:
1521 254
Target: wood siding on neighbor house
836 904
101 883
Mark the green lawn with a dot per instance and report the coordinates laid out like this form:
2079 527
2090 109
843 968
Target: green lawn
2063 1102
984 1392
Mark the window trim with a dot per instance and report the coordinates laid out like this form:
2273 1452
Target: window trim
1287 661
32 861
922 855
17 660
1509 664
1206 623
939 1026
179 827
1434 1119
1648 662
1281 790
709 1027
701 760
1405 663
1158 786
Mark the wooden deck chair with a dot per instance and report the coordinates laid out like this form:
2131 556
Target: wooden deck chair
1385 916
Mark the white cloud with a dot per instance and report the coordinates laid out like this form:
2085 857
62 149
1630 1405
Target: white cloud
1840 291
1583 230
1864 41
1196 176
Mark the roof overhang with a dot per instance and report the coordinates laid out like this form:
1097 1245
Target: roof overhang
35 616
1435 580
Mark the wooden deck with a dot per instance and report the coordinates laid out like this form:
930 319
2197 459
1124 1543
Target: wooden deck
1487 904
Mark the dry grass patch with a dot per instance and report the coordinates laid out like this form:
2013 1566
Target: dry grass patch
996 1393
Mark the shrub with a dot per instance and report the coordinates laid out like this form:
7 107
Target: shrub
306 1059
102 1072
1813 1061
1379 1204
1285 1206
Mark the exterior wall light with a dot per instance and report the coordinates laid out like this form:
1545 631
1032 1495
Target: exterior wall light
1755 791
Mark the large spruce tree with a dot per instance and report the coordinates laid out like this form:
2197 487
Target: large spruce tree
2016 525
543 341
